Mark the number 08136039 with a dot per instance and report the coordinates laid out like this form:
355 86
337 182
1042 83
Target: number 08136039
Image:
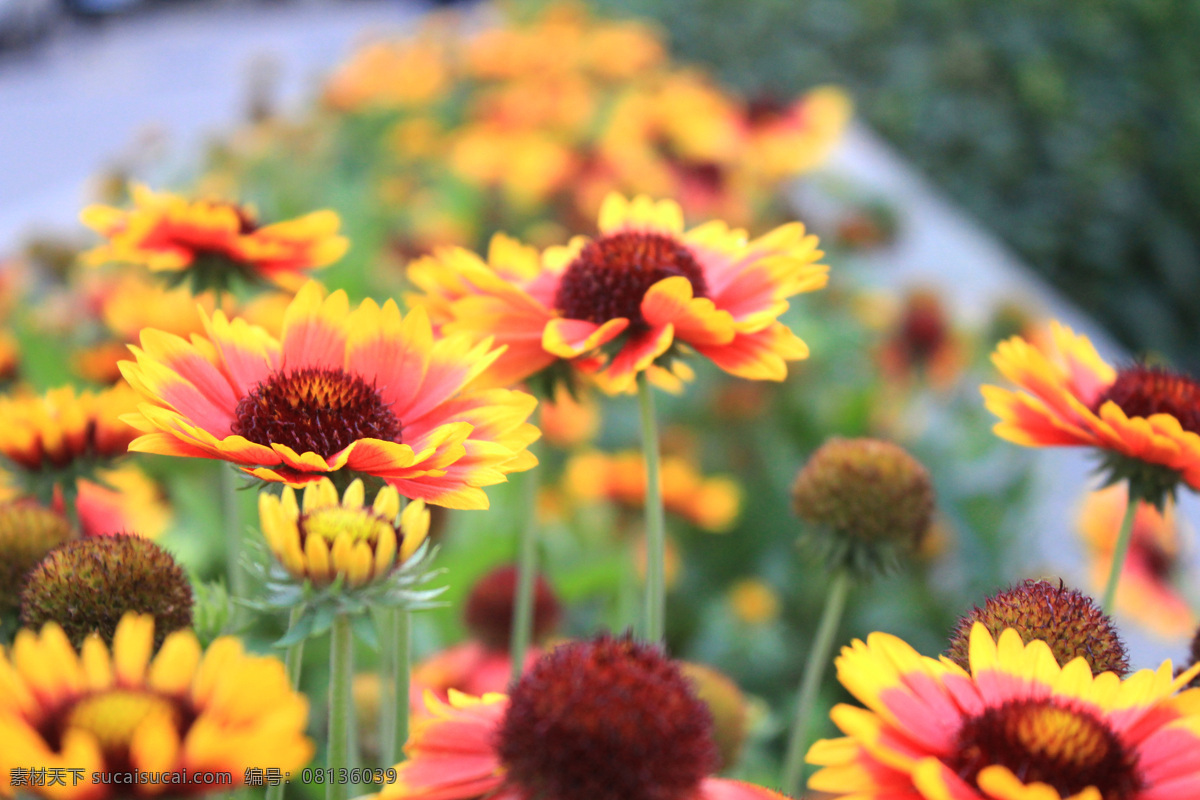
348 776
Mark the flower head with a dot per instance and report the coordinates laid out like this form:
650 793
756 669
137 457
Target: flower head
1069 622
323 539
1018 726
489 609
1148 591
869 499
365 392
88 585
114 709
63 435
1145 421
212 241
642 293
27 532
607 718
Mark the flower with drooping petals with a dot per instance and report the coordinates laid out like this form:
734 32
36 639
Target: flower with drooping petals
1016 727
364 392
1144 420
322 539
640 294
210 241
607 719
1148 591
105 709
63 435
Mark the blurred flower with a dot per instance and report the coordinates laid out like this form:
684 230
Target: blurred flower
567 421
54 439
107 710
489 609
1018 726
1069 622
211 241
1145 421
606 719
527 166
366 391
726 704
120 499
709 503
870 502
10 358
87 586
27 532
753 601
1147 592
391 75
632 297
922 343
322 540
786 140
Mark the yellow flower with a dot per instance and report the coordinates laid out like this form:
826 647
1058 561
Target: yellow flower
98 711
324 539
1016 727
390 75
753 601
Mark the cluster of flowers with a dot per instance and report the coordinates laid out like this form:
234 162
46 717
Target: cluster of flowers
353 420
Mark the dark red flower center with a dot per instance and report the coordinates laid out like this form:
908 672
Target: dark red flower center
489 611
315 410
611 275
1142 390
607 719
1043 740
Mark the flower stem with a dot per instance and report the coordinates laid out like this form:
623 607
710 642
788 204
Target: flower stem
292 659
341 676
810 683
396 674
522 623
656 589
1124 538
232 522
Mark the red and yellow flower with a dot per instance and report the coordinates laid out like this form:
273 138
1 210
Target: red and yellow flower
213 240
1016 727
99 711
366 391
1145 419
1147 591
633 298
605 720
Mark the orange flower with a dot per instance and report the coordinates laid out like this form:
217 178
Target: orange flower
922 342
567 421
1146 420
642 293
366 391
391 75
1146 591
786 141
709 503
211 241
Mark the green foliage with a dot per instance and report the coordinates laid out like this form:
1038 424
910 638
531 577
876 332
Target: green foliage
1071 129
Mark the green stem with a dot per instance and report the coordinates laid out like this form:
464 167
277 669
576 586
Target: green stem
294 655
401 658
656 544
810 683
341 704
523 607
292 659
1124 538
232 522
387 684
